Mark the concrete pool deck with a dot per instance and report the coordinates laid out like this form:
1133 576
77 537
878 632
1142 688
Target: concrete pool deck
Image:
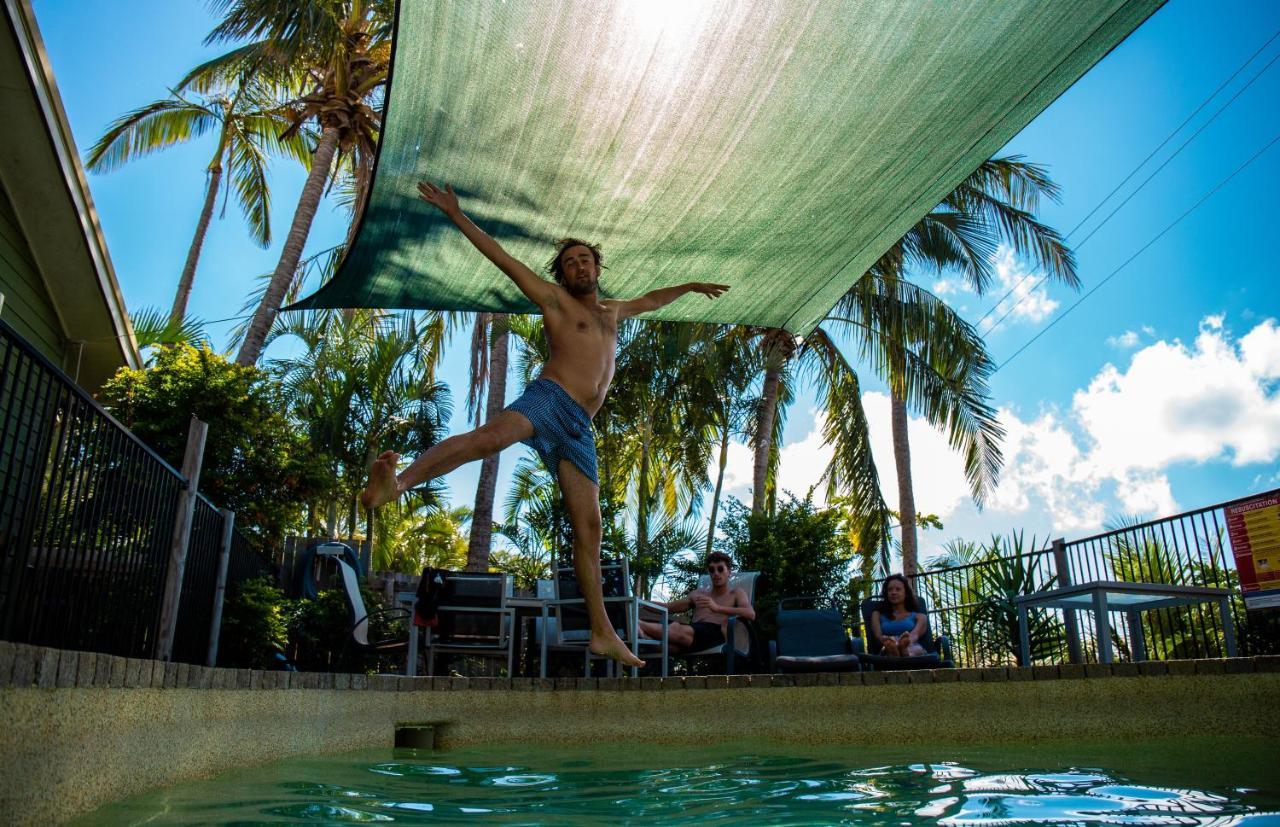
79 729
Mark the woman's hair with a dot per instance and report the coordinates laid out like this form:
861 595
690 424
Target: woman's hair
908 598
556 268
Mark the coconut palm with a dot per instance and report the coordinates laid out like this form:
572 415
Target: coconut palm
996 204
489 355
851 474
731 365
329 61
151 327
250 129
936 359
657 429
415 532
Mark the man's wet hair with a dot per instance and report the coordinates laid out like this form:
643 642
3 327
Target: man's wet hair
556 268
718 557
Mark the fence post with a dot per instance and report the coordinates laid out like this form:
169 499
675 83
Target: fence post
220 590
1069 619
191 462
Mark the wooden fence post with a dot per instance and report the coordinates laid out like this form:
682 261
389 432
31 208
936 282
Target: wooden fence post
191 463
220 590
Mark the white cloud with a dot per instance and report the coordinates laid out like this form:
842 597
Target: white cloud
800 466
937 472
1213 400
1217 400
1045 470
1026 302
943 287
1125 340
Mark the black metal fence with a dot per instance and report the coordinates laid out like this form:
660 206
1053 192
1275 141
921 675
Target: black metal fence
87 517
972 603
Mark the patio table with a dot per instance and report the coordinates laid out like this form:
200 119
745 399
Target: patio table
1104 596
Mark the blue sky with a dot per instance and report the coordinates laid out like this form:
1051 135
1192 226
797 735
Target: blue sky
1159 392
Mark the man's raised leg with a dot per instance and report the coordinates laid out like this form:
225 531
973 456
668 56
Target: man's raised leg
582 501
507 428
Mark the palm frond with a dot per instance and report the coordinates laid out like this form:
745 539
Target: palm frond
150 128
152 327
248 176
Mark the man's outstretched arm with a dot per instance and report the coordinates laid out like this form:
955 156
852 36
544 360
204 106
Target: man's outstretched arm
539 290
665 296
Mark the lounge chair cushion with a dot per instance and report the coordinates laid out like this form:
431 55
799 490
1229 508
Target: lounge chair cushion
884 663
817 663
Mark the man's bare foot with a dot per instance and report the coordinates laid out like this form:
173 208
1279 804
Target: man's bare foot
382 487
613 647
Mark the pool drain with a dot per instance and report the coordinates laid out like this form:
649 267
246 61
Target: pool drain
416 736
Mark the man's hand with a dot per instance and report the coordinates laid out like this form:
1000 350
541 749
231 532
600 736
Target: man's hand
704 601
711 291
445 199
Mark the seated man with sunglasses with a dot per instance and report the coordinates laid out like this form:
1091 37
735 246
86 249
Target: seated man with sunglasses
711 610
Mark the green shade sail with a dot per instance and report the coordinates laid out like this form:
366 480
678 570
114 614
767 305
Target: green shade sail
776 146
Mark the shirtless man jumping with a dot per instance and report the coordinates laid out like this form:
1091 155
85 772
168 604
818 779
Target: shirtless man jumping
553 416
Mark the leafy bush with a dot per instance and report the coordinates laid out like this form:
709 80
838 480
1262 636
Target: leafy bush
257 462
320 634
800 550
253 625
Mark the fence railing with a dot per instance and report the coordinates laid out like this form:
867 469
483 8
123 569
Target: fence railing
87 516
972 603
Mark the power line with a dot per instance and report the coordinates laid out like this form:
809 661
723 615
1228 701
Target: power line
1134 172
1141 250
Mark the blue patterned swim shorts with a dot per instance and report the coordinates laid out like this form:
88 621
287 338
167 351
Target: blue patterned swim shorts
561 428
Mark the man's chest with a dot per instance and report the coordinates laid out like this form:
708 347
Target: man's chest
584 327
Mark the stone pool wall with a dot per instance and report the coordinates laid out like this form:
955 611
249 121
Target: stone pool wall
79 729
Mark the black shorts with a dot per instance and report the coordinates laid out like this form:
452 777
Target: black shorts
705 635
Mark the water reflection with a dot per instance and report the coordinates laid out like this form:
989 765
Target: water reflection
749 789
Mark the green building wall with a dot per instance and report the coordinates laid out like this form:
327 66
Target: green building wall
27 306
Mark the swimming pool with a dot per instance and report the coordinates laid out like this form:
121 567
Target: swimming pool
1163 781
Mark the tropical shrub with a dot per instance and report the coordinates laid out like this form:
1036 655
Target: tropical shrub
800 550
254 625
1008 569
257 462
320 634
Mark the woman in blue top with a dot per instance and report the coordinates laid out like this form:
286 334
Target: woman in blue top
897 621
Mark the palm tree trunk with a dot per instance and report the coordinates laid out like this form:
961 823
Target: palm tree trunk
642 512
764 435
188 277
312 192
906 496
486 489
715 501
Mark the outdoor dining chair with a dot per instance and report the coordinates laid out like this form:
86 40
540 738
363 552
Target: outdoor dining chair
567 628
473 618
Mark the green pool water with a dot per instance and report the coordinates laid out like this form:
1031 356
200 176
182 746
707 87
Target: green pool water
1205 781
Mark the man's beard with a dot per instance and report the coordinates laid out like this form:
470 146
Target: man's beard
577 288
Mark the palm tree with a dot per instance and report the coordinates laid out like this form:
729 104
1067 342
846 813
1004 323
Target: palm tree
995 204
489 355
365 384
732 364
249 126
657 430
936 359
329 59
851 473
